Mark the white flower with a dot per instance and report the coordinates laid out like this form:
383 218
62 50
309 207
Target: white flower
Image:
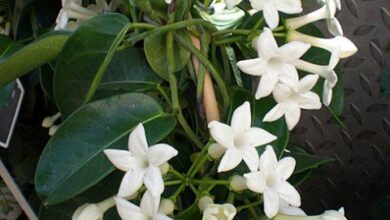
93 211
290 102
166 207
327 12
270 9
274 64
219 212
271 180
204 201
168 1
327 72
327 215
339 44
231 3
141 164
287 209
148 209
240 139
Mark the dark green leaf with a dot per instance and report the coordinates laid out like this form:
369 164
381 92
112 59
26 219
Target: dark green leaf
85 58
306 161
46 76
73 160
385 84
31 56
191 212
156 52
129 71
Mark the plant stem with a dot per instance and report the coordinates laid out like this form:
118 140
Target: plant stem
279 34
217 77
176 173
240 208
209 182
177 192
250 208
232 31
164 94
173 182
193 188
195 166
258 24
228 40
175 96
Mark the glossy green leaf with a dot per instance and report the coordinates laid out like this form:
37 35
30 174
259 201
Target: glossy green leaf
156 53
73 159
46 78
31 56
305 161
385 84
101 191
129 71
83 61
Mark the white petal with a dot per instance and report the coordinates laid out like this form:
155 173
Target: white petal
268 161
292 51
266 44
137 141
230 160
292 116
260 137
216 151
271 15
254 67
256 4
121 159
334 27
309 100
160 216
242 119
327 95
251 158
288 75
231 3
149 204
222 133
160 153
285 167
255 181
131 182
129 211
307 83
153 181
267 84
288 193
271 203
289 6
282 93
275 113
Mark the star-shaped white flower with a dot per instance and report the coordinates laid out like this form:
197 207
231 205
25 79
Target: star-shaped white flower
274 64
219 212
148 209
270 9
240 139
327 215
141 164
271 180
290 102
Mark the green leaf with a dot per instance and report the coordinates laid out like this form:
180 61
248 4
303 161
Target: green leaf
5 93
73 159
129 71
103 190
46 78
84 59
31 56
385 84
306 161
156 53
322 57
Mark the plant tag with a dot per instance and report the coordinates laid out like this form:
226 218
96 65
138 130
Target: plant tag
11 97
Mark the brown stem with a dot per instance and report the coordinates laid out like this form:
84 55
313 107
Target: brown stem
209 98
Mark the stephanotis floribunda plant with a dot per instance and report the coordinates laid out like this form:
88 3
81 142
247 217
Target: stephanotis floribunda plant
180 109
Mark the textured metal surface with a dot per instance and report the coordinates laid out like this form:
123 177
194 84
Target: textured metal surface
361 173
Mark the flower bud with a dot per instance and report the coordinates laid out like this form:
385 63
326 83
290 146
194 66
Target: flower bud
166 207
238 183
204 202
216 211
216 151
53 129
93 211
50 120
164 168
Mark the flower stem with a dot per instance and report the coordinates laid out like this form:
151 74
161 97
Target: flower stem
195 166
177 192
173 182
248 205
232 31
176 173
174 93
163 94
228 40
208 182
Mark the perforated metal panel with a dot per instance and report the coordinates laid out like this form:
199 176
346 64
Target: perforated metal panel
361 173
